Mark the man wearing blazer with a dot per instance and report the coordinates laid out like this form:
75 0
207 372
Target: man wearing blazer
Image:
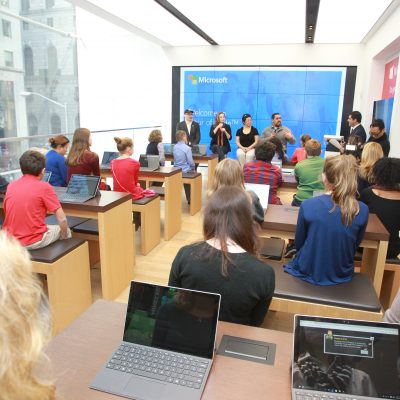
356 129
192 128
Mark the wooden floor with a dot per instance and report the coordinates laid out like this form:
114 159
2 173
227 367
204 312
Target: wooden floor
155 266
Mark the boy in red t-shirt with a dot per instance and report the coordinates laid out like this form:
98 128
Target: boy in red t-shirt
27 202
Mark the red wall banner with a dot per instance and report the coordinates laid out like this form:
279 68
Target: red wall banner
389 83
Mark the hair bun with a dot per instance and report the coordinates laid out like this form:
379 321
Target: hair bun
51 140
117 140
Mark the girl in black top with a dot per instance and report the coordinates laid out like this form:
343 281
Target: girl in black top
220 133
155 146
383 199
227 262
246 140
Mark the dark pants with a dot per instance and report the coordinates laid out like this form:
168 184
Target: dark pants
220 150
295 202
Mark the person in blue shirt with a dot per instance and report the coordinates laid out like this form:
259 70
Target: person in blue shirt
330 227
183 158
55 160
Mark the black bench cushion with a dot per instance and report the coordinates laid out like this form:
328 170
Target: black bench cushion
271 248
72 221
145 200
359 293
90 226
393 261
191 175
56 250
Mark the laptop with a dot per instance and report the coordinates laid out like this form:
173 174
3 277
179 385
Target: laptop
149 162
168 148
261 190
277 163
46 176
168 345
80 188
108 156
199 149
345 359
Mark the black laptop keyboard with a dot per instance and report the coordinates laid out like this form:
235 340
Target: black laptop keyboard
73 197
178 369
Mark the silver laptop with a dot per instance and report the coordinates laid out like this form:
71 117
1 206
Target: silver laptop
261 190
80 188
149 162
46 176
108 156
199 149
168 345
345 359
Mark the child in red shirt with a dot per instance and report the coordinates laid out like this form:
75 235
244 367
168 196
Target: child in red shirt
27 202
300 153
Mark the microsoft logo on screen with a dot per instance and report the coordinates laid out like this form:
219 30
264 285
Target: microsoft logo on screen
204 79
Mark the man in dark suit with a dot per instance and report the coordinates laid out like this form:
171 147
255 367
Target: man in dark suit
192 128
356 129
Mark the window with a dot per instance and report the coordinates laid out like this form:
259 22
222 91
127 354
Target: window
32 124
28 61
8 58
6 28
50 22
25 26
25 5
5 3
55 124
49 3
52 63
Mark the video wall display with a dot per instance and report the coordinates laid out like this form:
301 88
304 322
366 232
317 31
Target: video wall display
311 100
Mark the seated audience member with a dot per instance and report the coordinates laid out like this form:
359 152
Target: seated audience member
330 227
229 173
3 184
155 146
246 140
308 173
183 158
392 314
262 171
24 326
27 202
383 199
300 153
279 152
220 133
55 160
371 154
226 261
80 159
378 135
355 151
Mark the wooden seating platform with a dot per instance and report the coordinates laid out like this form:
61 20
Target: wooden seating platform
194 179
356 299
66 266
390 282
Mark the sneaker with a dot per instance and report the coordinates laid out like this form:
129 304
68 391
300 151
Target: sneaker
290 251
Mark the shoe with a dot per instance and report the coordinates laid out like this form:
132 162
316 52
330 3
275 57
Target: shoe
290 251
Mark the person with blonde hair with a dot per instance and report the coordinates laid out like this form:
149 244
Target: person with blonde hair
220 133
227 261
24 326
229 173
55 160
330 227
372 152
155 146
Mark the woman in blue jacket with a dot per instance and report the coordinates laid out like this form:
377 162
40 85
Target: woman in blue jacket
55 160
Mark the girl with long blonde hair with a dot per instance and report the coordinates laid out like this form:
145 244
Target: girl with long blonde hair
330 227
24 326
372 152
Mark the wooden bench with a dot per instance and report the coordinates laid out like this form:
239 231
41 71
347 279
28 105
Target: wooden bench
356 299
195 181
66 266
390 282
150 223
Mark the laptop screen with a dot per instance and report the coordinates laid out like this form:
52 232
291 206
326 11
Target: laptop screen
46 176
357 358
262 191
143 161
180 320
108 156
83 185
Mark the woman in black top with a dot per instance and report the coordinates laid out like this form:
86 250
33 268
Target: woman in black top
220 133
383 199
227 262
246 140
155 146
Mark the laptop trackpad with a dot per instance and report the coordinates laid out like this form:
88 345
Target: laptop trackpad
142 388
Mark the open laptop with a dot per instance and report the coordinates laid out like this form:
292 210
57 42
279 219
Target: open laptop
167 347
199 149
168 148
46 176
80 188
345 359
108 156
261 190
149 162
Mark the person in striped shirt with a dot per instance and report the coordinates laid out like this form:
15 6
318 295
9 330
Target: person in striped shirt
263 172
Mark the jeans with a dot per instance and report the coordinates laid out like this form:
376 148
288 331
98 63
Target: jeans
220 150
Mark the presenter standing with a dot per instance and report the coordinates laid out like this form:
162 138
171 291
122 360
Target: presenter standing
246 140
220 133
192 128
283 133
